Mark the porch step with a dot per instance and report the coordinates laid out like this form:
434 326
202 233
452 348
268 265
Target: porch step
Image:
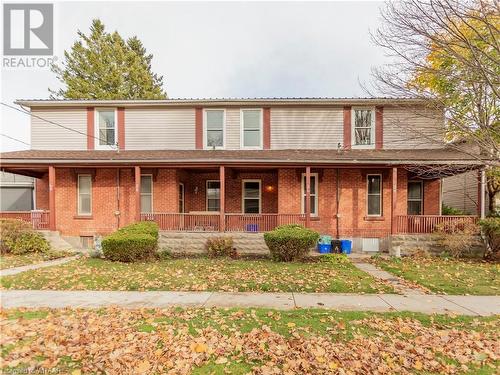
56 241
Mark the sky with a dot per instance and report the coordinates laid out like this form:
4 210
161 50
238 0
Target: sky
220 49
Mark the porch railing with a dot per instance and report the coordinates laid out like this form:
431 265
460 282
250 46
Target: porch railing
38 219
211 222
414 224
185 222
259 222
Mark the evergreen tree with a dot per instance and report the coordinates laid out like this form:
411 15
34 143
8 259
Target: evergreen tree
103 65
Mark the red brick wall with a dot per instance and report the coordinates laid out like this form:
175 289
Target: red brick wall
195 199
42 193
432 192
283 196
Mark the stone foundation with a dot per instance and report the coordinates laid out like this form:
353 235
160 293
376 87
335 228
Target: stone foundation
408 243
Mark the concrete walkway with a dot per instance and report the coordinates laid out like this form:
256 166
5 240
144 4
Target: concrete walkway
463 305
396 282
49 263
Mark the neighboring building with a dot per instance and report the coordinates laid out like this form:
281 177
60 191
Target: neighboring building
344 167
16 192
462 192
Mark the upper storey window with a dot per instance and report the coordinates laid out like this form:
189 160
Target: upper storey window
214 128
251 128
363 127
106 128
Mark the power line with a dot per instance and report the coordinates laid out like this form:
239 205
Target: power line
51 122
14 139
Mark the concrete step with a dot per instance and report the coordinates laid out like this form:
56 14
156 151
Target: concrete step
56 241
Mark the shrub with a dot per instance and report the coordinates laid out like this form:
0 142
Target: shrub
448 210
490 228
457 236
164 254
334 258
290 242
28 242
221 246
18 237
129 247
146 227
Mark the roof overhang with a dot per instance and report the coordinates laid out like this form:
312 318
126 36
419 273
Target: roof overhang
222 102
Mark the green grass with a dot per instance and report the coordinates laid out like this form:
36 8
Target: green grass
447 276
10 260
237 340
198 274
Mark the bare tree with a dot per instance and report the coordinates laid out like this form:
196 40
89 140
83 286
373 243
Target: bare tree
447 53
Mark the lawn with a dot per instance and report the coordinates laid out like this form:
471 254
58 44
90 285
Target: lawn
447 276
199 274
241 341
10 260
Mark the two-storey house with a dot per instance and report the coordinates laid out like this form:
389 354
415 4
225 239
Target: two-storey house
344 167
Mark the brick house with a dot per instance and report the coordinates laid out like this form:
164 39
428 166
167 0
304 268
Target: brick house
344 167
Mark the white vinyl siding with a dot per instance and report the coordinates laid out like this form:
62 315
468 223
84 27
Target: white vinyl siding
461 192
412 127
159 129
306 128
232 129
47 136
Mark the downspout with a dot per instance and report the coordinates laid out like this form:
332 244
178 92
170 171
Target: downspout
117 214
337 203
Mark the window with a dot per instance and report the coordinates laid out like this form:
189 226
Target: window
213 195
415 195
146 194
181 198
214 128
106 128
251 128
87 242
84 194
313 194
363 127
374 204
251 196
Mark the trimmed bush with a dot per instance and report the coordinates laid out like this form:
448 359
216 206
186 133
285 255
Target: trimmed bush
18 237
290 242
221 246
132 243
491 231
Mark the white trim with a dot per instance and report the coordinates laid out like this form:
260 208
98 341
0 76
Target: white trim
372 132
380 195
303 193
181 184
206 194
78 195
97 146
415 200
205 110
243 194
141 194
242 129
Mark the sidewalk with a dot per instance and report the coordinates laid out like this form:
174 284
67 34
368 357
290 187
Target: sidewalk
35 266
440 304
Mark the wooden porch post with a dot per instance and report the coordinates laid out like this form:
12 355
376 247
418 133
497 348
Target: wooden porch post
394 199
307 205
222 208
52 198
137 173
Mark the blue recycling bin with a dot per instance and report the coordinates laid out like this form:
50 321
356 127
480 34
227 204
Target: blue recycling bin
346 246
324 248
252 228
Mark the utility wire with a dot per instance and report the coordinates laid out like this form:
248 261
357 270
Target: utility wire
14 139
51 122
